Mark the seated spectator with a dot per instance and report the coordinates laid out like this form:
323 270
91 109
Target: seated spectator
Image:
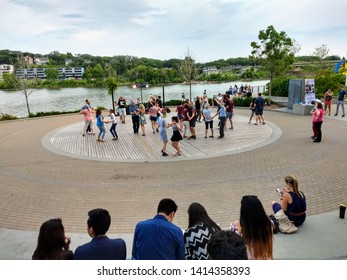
100 247
52 244
159 238
292 201
256 229
200 229
226 245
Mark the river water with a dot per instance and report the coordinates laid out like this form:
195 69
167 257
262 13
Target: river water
70 99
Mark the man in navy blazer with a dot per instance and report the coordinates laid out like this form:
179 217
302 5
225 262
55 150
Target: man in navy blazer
100 247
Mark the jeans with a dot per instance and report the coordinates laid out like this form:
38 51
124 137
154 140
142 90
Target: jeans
102 132
113 130
221 126
342 103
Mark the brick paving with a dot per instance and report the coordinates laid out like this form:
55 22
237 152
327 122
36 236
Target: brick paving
37 184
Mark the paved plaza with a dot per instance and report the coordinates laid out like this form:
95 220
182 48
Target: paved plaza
48 169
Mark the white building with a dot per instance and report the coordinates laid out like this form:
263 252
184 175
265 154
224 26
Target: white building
6 68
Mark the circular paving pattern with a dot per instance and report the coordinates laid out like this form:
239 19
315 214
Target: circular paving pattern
130 147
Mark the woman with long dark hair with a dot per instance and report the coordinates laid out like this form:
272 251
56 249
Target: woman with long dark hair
200 229
52 244
256 229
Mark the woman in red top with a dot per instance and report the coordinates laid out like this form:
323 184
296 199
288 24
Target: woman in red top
317 120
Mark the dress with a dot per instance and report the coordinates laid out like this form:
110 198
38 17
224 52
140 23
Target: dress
158 239
196 239
163 130
176 135
102 248
143 118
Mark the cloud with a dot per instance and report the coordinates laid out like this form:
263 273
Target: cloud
165 29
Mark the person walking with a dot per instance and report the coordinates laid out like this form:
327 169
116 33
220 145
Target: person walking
259 109
341 101
163 133
207 115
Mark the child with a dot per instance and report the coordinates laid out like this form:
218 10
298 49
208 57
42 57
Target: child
176 136
100 124
163 133
114 124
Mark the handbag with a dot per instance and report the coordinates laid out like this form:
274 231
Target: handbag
285 225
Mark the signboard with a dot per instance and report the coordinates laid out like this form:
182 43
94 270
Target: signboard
310 93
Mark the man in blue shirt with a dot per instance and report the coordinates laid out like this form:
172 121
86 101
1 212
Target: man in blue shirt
135 117
222 117
159 238
341 101
100 247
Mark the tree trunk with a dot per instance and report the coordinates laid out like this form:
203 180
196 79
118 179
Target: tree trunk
27 101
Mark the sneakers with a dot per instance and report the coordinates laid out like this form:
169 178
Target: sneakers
211 136
165 154
335 115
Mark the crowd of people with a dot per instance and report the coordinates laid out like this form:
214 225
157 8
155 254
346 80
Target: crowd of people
183 123
249 238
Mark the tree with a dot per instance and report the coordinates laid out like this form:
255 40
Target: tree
275 52
52 74
112 85
188 70
26 87
321 53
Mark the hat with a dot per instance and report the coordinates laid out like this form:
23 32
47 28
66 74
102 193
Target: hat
317 100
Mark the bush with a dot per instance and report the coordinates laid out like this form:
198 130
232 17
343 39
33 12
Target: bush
327 79
7 117
52 113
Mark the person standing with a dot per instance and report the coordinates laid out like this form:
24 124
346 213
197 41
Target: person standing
88 105
207 115
122 108
341 101
100 123
100 247
159 238
142 121
153 111
222 117
328 97
163 133
192 120
252 108
135 118
317 121
259 109
176 135
88 120
229 102
198 103
114 124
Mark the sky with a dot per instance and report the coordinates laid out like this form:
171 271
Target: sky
164 29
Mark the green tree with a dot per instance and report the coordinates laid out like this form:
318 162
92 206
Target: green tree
275 52
321 53
112 85
188 70
52 74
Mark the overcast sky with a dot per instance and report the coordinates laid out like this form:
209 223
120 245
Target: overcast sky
164 29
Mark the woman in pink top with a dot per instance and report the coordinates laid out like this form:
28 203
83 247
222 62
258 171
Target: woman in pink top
88 119
317 120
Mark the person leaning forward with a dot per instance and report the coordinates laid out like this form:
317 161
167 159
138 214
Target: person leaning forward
159 238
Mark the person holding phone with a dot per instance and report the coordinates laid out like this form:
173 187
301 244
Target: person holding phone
292 201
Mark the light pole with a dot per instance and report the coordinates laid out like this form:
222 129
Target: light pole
141 86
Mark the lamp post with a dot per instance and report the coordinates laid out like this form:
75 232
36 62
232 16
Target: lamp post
141 86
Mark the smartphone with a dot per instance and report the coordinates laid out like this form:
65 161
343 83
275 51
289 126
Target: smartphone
279 191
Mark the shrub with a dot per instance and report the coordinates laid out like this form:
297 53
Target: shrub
7 117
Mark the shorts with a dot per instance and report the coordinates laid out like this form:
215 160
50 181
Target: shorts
153 118
229 115
327 102
209 124
122 111
258 112
192 122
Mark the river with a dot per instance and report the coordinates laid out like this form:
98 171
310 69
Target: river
70 99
